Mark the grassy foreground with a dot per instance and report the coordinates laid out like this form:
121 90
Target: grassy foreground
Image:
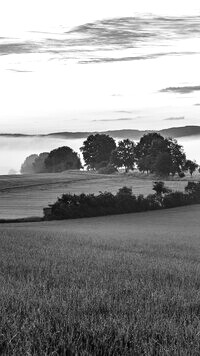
121 285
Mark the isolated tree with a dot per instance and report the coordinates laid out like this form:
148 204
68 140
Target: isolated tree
96 149
61 159
39 163
191 166
124 155
27 166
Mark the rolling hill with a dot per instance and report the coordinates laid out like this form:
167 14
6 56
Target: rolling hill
175 132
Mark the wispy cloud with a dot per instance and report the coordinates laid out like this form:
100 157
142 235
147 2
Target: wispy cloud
102 41
125 111
18 48
175 118
19 70
113 120
181 90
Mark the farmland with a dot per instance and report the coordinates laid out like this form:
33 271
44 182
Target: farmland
25 196
121 285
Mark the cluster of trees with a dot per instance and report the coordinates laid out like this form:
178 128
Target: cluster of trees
89 205
57 160
152 154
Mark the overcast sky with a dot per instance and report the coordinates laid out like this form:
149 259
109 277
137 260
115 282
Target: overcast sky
135 65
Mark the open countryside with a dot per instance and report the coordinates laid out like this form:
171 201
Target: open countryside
120 285
27 195
99 178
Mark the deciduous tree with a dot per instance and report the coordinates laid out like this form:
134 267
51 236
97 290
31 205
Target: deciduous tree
96 149
124 155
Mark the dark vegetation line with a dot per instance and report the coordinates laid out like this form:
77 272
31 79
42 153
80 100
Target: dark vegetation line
72 206
89 205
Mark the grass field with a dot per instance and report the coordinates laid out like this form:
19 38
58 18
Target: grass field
121 285
25 196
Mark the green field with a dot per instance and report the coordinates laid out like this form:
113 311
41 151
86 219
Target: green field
120 285
25 196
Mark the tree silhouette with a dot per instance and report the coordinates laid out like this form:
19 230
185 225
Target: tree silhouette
124 155
61 159
96 149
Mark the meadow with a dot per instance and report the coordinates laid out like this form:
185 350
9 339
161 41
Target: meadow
26 196
115 285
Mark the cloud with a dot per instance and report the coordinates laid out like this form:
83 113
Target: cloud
181 90
125 111
175 118
129 30
18 48
20 70
132 58
112 120
102 41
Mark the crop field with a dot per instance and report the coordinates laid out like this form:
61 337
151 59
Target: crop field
120 285
25 196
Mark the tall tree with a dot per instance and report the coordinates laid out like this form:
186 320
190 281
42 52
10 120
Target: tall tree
163 164
177 155
96 149
61 159
124 155
165 155
150 144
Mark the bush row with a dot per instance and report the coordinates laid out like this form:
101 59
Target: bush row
71 206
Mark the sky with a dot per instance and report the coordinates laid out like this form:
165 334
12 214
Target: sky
96 65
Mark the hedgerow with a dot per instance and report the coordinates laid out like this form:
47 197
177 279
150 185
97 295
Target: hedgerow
72 206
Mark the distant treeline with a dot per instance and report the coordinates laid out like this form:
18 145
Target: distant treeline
152 154
89 205
58 160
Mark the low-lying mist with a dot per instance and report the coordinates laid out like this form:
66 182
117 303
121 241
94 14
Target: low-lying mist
14 150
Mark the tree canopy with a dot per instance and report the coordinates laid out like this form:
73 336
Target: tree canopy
61 159
39 163
124 155
27 166
160 155
96 149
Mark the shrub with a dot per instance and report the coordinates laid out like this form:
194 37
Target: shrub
193 190
181 174
175 199
153 202
160 188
